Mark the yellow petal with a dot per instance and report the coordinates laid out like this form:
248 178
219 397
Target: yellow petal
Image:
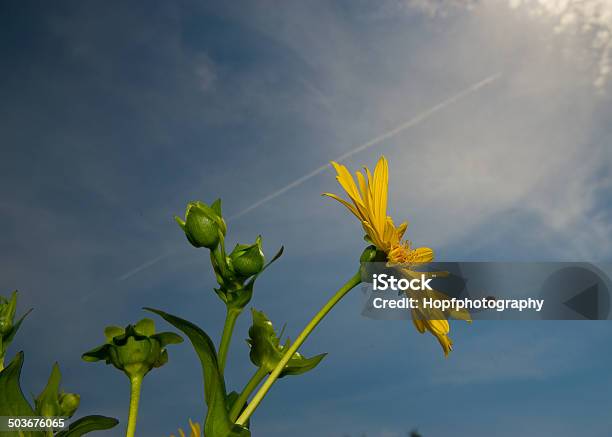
401 229
381 185
350 207
365 192
195 429
422 255
459 314
390 233
418 323
376 239
446 343
346 181
438 327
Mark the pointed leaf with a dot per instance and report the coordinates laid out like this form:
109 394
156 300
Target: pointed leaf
88 424
12 400
302 365
47 403
11 334
180 222
217 422
274 258
216 206
97 354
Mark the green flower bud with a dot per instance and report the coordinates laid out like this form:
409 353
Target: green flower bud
69 403
203 224
247 260
7 313
266 350
8 325
134 350
50 402
370 255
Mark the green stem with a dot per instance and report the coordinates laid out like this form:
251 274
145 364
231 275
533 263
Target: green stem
226 337
257 377
135 383
1 364
263 390
219 258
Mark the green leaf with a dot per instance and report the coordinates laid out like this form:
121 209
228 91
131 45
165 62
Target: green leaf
88 424
97 354
47 403
233 397
12 400
216 206
298 365
266 350
218 423
8 338
274 258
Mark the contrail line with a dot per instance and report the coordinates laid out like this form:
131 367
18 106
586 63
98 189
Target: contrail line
374 141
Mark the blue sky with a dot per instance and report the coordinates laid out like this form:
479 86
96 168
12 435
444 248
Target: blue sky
115 115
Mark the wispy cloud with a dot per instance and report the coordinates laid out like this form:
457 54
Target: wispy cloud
422 116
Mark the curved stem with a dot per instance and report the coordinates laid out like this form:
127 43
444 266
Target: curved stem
350 284
226 337
257 377
135 384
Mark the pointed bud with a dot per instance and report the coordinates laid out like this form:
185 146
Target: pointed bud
370 255
203 224
7 313
248 260
69 403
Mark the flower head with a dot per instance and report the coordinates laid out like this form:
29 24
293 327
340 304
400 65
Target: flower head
134 350
368 202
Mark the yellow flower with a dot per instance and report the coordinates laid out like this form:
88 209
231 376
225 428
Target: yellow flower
368 202
196 431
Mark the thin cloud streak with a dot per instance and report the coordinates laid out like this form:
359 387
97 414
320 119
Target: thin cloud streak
145 266
419 118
